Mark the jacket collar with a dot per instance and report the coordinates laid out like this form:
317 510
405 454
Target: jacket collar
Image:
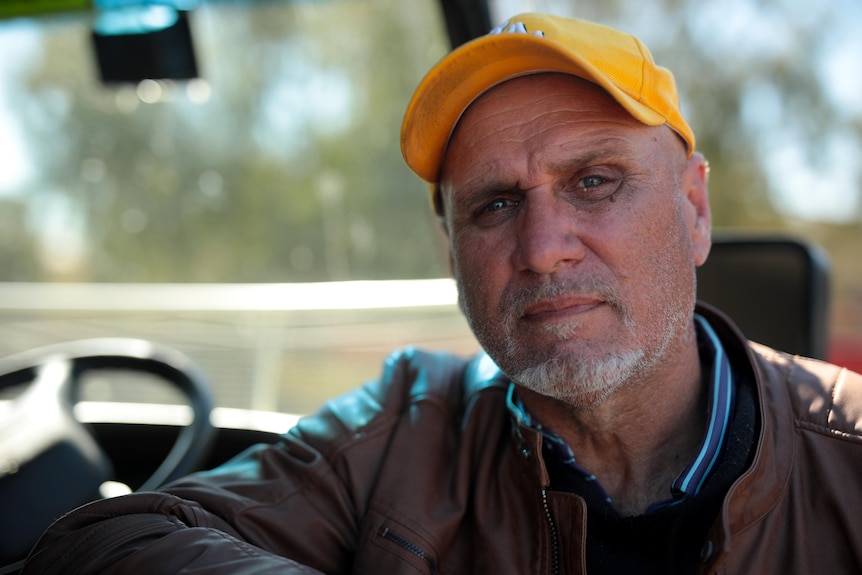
761 486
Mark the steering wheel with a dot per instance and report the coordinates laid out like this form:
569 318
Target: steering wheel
49 462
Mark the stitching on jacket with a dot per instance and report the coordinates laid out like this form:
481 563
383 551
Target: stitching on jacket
838 381
825 430
240 545
83 543
99 530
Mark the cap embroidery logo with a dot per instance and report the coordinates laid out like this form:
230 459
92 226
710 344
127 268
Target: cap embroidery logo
515 28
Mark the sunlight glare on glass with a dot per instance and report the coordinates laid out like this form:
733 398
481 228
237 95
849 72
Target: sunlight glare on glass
304 99
761 106
746 30
198 91
21 39
840 62
154 91
138 19
59 225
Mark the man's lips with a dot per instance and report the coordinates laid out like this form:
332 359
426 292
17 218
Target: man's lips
560 306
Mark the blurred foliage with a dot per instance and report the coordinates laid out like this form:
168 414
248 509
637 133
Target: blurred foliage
284 164
289 171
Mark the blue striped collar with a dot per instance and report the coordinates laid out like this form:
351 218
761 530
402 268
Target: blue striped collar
719 409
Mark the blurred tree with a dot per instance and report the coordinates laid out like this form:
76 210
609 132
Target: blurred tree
289 171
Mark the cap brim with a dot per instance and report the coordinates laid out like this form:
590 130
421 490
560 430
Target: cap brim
463 75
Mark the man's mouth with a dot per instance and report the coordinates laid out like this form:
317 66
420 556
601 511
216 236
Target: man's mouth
561 306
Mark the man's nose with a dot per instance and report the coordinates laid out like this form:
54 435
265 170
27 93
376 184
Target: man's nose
548 235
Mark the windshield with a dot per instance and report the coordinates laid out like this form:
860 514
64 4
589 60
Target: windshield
279 163
161 209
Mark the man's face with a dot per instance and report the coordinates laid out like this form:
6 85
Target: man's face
574 233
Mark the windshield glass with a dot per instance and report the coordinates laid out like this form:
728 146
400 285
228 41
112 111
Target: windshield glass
187 211
279 163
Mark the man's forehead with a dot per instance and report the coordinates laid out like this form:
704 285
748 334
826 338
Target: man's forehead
542 106
515 103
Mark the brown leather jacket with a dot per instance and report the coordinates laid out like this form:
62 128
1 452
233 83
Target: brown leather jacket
425 471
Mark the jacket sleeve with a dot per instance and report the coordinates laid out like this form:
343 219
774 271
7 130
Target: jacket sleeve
284 508
258 514
293 507
123 538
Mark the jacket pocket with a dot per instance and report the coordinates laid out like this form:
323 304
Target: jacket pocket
406 544
393 548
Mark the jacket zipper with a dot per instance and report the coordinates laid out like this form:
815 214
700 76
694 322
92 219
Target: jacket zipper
408 545
555 549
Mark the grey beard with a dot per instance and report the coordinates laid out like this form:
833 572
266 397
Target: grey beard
578 382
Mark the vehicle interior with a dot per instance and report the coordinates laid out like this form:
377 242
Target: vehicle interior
186 265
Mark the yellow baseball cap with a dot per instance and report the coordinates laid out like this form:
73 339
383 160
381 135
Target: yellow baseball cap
527 44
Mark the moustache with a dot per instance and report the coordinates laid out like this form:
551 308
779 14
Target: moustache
516 300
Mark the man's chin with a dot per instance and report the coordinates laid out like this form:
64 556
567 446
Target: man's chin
580 383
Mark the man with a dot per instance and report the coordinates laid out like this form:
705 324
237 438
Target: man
624 431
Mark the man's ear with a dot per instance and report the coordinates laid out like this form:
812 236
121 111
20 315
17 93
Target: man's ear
696 198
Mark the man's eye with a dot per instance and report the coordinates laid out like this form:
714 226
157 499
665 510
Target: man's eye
592 181
593 189
498 204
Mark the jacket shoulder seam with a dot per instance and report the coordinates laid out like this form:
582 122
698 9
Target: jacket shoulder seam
828 431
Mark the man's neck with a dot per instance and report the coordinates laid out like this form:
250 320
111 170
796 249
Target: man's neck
638 440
